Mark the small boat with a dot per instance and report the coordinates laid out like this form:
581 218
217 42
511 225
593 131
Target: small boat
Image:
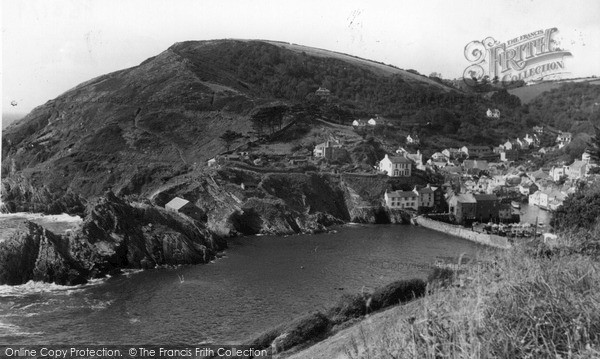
515 204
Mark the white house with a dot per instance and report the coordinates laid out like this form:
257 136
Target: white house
507 145
417 158
395 166
359 123
564 138
412 139
577 170
586 157
557 172
401 150
372 122
495 113
402 199
452 153
439 157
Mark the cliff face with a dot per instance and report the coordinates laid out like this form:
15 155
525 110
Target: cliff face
117 234
282 203
114 235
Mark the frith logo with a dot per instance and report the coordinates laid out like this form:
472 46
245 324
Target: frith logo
529 57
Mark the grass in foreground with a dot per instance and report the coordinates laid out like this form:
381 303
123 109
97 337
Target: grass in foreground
529 302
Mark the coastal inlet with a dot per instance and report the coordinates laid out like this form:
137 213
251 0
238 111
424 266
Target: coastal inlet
261 282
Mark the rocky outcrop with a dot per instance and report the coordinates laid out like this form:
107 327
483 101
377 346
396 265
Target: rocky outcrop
379 215
114 235
34 253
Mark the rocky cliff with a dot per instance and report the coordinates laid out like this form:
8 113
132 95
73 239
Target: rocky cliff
114 235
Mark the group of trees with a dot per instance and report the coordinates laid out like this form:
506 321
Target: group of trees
267 120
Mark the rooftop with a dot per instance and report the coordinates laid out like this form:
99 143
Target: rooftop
177 203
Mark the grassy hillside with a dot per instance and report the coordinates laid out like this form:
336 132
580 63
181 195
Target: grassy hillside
531 92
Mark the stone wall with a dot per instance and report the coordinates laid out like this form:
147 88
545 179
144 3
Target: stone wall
458 231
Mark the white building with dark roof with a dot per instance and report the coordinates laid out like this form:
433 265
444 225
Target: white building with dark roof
396 166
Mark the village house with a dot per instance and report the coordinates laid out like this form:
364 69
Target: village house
452 153
212 162
463 206
529 141
476 151
425 196
507 145
563 138
586 157
547 199
331 150
436 165
577 170
414 139
439 157
417 158
495 113
527 188
372 122
395 166
519 145
487 207
323 93
477 165
538 130
469 185
359 123
538 175
557 172
483 184
402 199
509 155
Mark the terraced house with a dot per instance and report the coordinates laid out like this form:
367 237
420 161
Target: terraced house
402 199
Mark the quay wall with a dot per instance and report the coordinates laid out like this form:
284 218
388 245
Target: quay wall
491 240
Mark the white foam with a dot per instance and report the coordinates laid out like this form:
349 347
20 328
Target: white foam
32 287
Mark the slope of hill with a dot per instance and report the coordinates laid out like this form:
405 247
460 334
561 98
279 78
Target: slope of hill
164 117
529 93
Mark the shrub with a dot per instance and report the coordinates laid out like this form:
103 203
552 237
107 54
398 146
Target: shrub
398 292
303 330
348 307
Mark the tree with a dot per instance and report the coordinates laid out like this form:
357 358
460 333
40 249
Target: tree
269 118
229 137
594 144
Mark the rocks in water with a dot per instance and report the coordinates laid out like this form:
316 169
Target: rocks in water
34 253
115 234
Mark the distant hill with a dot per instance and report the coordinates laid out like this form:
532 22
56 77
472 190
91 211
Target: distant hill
529 93
8 118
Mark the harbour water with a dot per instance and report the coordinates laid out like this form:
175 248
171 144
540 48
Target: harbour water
260 283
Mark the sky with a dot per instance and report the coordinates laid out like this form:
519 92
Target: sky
48 47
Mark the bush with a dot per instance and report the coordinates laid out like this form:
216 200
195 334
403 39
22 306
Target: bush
348 307
303 330
398 292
